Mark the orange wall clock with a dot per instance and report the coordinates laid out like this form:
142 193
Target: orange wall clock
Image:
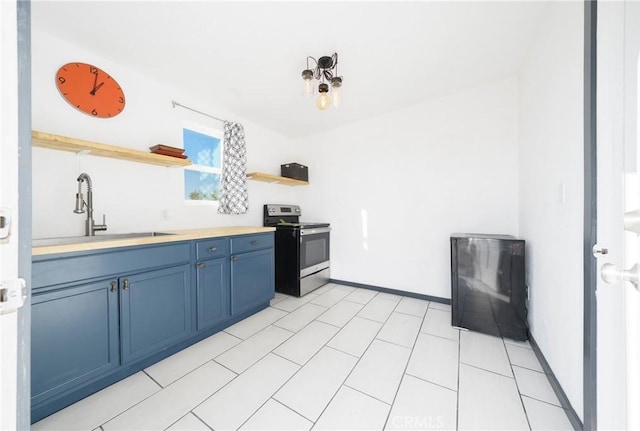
90 90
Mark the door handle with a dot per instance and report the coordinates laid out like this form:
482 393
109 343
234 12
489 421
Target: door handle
200 265
125 284
611 274
114 286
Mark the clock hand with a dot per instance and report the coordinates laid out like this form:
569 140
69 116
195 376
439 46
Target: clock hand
95 81
93 92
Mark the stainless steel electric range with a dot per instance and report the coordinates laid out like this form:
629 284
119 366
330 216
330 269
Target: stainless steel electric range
301 249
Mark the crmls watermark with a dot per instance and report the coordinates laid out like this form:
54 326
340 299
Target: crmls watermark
418 422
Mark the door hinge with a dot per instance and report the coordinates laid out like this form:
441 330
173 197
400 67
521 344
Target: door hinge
5 223
12 295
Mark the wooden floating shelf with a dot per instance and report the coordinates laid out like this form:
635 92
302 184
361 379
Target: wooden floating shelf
268 178
64 143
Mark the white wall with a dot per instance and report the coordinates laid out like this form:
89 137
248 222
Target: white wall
394 187
551 159
134 196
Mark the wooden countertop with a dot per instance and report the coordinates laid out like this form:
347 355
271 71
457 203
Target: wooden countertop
177 235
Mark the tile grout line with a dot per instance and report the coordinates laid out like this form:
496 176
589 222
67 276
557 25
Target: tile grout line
328 341
239 374
259 330
429 308
430 382
349 320
184 416
404 372
292 409
200 419
529 369
293 298
524 409
250 335
441 337
261 357
281 386
282 357
144 370
157 392
354 366
208 360
307 324
543 401
342 351
368 395
225 367
488 371
409 314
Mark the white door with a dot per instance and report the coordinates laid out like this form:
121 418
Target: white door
618 164
8 201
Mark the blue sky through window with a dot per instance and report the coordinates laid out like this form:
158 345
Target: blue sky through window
202 149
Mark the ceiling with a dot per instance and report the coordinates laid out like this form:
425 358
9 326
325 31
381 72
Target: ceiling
248 56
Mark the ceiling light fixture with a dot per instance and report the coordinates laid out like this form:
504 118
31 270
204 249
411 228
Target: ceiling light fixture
326 70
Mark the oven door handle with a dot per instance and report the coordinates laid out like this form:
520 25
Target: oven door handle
314 231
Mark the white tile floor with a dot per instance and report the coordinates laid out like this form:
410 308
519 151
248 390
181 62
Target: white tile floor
339 358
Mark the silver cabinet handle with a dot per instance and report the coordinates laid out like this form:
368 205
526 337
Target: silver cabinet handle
255 242
114 286
125 284
234 258
200 265
212 249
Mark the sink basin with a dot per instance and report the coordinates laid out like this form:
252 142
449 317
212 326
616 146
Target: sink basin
82 239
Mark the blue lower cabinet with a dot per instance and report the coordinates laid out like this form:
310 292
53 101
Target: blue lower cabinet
135 306
155 311
212 286
252 280
74 337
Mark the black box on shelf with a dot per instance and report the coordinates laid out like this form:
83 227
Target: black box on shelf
295 171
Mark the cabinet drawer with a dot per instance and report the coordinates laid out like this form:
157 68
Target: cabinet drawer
212 248
51 270
242 244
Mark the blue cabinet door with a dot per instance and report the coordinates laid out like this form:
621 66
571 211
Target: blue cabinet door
155 311
74 337
212 285
252 280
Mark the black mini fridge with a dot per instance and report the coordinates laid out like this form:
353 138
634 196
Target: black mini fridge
488 291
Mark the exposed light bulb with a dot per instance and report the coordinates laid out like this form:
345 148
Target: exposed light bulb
307 77
323 102
336 91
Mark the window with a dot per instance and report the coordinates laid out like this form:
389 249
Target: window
202 178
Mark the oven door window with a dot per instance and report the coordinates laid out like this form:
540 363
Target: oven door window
314 249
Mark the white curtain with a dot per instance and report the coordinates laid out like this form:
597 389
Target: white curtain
234 198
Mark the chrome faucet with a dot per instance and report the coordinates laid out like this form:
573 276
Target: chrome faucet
90 226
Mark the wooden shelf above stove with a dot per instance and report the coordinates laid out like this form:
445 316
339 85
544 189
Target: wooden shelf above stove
275 179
